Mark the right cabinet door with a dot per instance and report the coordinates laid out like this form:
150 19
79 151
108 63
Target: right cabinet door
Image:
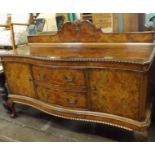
115 92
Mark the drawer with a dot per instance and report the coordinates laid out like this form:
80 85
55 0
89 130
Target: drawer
59 76
63 98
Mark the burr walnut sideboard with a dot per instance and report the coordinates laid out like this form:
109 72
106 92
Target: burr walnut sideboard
83 74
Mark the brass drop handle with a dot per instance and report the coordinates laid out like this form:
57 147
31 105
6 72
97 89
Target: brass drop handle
69 79
94 88
72 100
30 79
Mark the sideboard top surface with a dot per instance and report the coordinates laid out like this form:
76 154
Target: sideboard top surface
83 42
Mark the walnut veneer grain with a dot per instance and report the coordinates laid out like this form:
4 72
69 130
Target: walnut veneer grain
83 74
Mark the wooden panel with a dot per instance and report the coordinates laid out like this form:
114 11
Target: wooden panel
141 21
19 78
102 20
63 98
59 76
130 22
111 92
115 22
122 52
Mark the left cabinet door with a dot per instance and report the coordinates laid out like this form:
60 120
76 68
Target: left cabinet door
19 78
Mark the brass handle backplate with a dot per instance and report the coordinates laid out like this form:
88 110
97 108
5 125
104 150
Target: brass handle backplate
69 79
72 100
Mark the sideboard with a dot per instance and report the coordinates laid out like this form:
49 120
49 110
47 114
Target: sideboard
83 74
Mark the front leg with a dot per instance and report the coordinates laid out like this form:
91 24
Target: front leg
6 106
141 136
10 106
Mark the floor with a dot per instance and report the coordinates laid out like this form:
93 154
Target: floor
36 126
32 125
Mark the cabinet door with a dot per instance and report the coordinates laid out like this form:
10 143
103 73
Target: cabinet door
115 92
19 78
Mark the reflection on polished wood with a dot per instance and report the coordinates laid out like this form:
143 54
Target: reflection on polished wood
83 74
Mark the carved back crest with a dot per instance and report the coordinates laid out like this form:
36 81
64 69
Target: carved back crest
79 32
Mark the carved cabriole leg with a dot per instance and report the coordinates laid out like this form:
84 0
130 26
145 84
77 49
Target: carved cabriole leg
10 106
141 136
6 106
13 111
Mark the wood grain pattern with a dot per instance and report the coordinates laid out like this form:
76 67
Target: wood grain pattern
63 98
59 76
21 73
130 22
113 93
104 83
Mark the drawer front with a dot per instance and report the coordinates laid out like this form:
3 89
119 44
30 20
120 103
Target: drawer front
59 76
66 99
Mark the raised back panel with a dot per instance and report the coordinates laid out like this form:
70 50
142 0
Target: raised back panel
83 40
86 32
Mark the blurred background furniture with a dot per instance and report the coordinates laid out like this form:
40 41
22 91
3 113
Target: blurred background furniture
111 22
17 34
3 21
37 26
50 21
60 21
150 21
46 22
